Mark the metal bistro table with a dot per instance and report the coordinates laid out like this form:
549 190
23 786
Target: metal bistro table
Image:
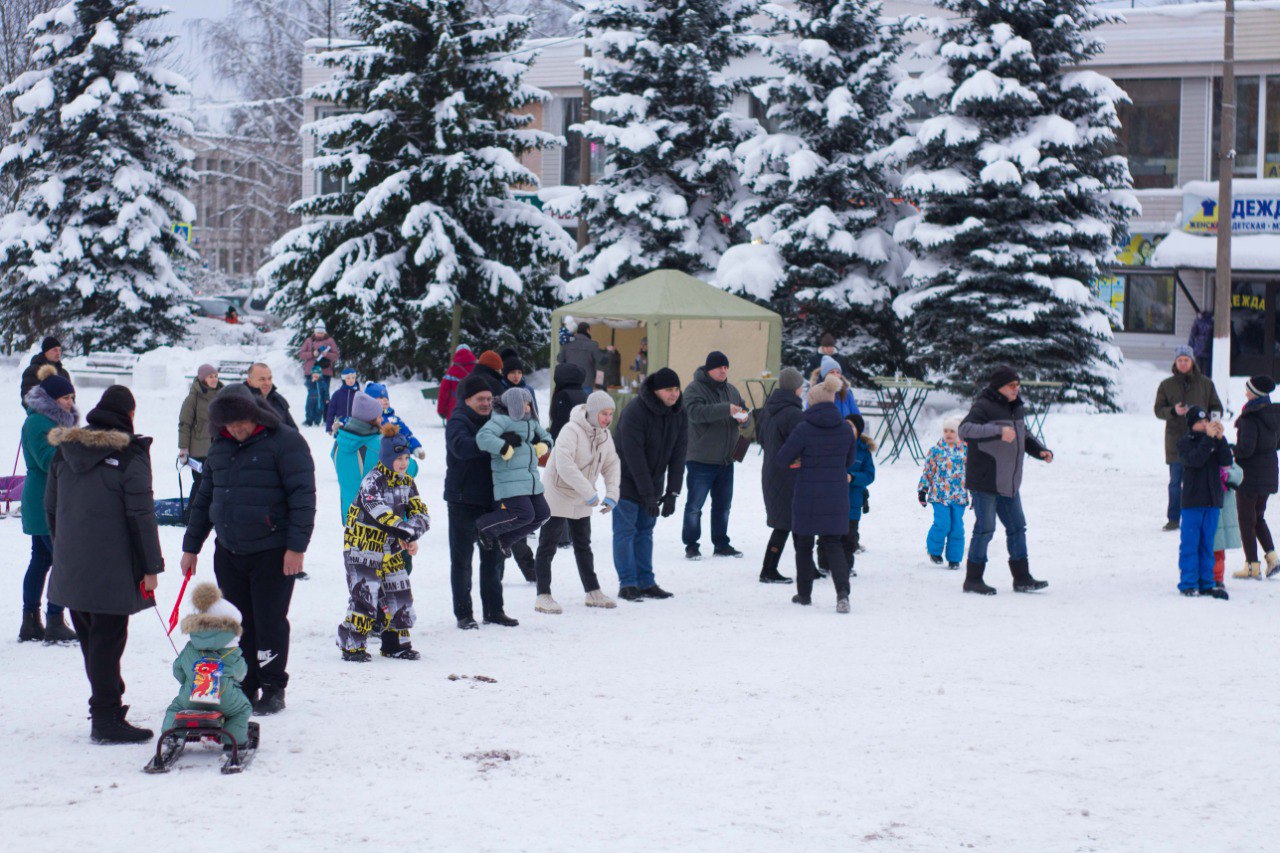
901 400
1043 397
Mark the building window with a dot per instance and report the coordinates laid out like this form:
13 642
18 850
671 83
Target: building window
329 183
571 164
1142 302
760 112
1271 148
1149 128
1248 121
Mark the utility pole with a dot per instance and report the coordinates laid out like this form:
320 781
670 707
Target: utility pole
1226 165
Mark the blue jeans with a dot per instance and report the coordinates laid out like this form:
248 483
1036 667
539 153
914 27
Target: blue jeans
1195 551
702 479
37 571
948 530
1175 490
633 544
987 506
317 400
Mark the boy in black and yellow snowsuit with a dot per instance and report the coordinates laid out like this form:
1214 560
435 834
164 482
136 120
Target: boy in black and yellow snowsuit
384 523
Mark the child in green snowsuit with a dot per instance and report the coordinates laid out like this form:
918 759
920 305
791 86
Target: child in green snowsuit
211 666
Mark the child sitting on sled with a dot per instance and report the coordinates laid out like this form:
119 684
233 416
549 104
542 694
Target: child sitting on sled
211 666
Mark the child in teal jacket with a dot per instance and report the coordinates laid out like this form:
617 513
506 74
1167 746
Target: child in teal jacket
211 666
355 449
514 442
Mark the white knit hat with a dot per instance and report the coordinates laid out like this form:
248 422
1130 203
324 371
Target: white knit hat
952 422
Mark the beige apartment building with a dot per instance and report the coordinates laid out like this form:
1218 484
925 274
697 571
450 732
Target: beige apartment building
1169 61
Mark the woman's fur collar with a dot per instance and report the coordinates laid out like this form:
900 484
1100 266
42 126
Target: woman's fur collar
39 401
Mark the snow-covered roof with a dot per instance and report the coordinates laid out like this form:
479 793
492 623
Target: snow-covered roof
1239 186
1254 252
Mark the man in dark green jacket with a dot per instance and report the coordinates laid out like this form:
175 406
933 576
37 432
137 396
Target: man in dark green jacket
1186 389
717 417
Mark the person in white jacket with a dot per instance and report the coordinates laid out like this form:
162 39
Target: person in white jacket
583 453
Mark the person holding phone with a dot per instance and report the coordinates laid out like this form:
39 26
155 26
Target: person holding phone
1185 389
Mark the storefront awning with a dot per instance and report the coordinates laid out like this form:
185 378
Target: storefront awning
1249 253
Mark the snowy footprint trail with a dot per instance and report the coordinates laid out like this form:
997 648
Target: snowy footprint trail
1106 713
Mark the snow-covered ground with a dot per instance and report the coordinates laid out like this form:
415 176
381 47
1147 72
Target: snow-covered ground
1108 713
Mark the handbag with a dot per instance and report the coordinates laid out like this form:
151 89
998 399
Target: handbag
11 486
172 512
741 448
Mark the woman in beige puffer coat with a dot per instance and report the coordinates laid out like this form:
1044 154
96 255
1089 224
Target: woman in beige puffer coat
583 453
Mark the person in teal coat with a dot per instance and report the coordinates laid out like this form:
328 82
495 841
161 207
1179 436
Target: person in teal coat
51 403
514 441
355 449
211 665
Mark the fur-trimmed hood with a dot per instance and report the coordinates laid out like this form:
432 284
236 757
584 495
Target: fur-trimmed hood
238 403
112 440
85 447
39 402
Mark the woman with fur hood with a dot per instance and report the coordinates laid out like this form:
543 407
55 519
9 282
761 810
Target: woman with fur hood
50 404
106 547
211 666
583 453
845 403
822 447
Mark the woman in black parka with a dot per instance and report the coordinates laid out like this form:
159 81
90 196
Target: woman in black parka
782 413
824 445
106 547
1257 434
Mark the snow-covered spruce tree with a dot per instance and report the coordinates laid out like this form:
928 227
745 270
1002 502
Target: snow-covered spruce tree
660 80
427 155
89 246
820 199
1021 201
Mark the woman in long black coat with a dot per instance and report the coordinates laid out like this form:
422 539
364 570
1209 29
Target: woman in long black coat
782 413
106 548
825 446
1257 434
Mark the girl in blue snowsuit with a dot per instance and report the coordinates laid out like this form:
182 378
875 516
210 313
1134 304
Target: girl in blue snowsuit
862 473
942 486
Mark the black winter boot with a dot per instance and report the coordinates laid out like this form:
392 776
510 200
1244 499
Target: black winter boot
973 579
1022 580
31 628
58 632
271 702
769 571
630 593
111 727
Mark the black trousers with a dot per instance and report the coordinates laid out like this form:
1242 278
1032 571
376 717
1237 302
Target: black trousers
850 542
549 543
1253 525
102 640
832 547
462 545
515 518
257 585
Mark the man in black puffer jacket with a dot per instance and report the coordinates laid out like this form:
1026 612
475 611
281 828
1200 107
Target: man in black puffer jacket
996 434
652 436
259 493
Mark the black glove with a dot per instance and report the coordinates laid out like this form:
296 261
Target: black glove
653 507
920 495
512 439
669 504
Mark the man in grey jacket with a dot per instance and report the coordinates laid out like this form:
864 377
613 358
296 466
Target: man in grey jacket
996 434
717 417
585 353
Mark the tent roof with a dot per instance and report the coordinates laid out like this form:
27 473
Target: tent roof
662 294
